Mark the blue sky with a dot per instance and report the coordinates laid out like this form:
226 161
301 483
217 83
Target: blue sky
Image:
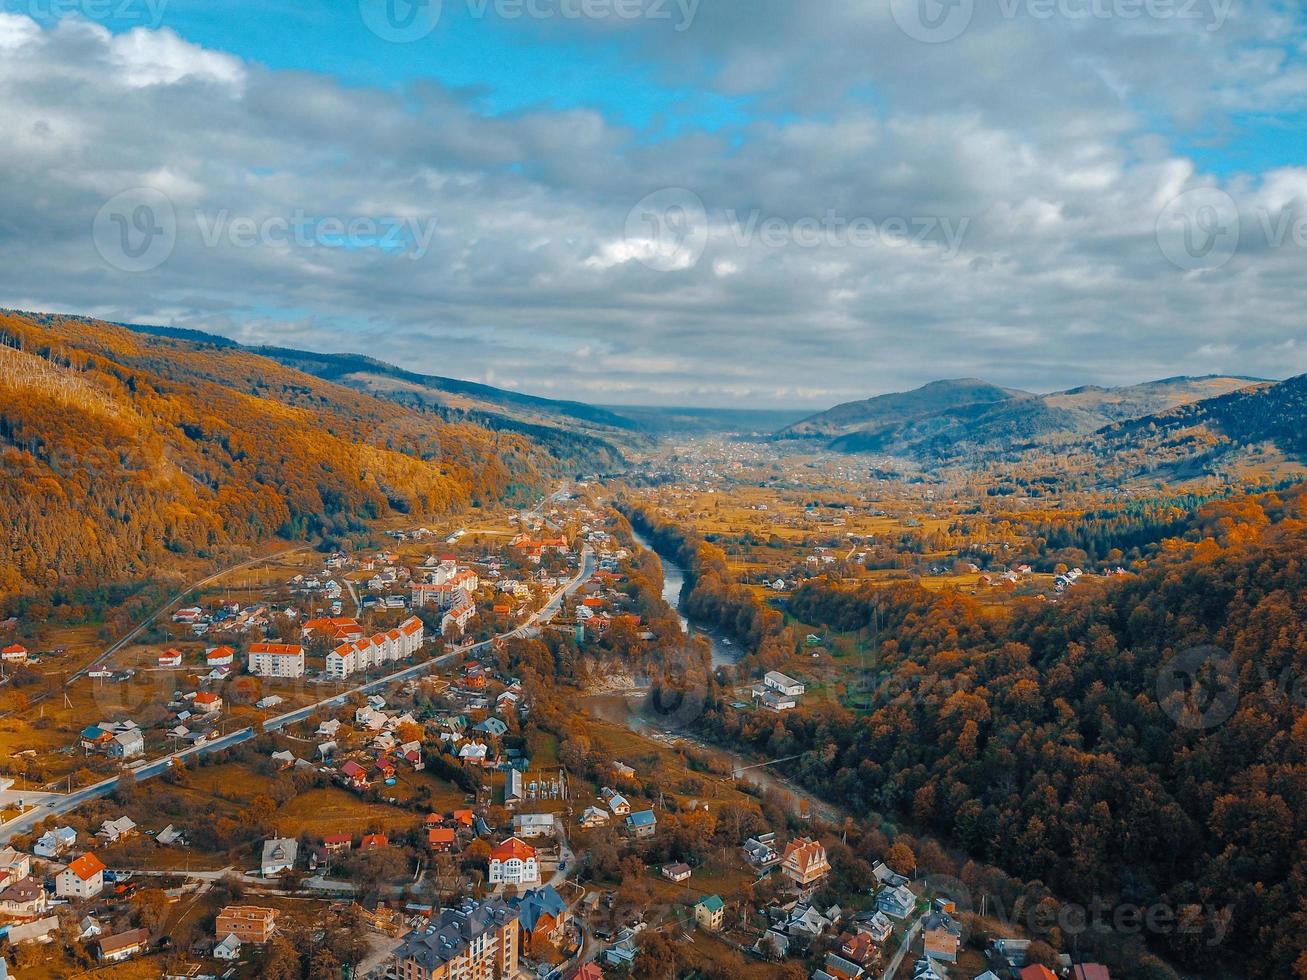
781 205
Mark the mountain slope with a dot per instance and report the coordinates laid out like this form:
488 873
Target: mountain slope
950 419
116 447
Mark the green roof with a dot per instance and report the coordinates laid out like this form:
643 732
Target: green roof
712 903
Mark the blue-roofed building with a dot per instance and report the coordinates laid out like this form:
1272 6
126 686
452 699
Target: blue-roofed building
642 824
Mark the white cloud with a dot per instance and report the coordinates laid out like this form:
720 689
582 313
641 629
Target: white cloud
529 275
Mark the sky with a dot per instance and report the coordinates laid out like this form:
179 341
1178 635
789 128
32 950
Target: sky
678 202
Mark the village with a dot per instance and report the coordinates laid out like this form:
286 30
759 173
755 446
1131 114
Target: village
393 777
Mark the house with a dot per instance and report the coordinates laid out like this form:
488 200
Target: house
807 922
373 842
170 658
492 726
642 824
514 862
279 855
116 830
783 684
841 968
13 866
805 862
207 703
95 739
125 944
543 916
1014 951
594 817
623 952
587 971
677 872
472 941
875 925
337 843
473 753
440 839
897 903
248 923
616 802
385 768
81 879
355 775
927 969
459 616
528 825
55 842
169 836
760 851
227 950
276 660
127 744
219 657
885 876
709 913
15 653
40 931
623 770
774 700
23 898
1037 971
942 936
858 948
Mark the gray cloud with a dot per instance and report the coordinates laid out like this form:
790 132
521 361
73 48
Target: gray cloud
1032 139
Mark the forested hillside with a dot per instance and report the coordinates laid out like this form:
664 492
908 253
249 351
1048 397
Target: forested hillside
116 447
1041 741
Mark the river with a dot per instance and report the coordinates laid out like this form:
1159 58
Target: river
670 725
724 650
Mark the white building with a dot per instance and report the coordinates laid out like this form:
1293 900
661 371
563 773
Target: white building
82 879
459 616
377 650
514 863
783 683
277 660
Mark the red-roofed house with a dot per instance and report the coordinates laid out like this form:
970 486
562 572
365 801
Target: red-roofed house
514 863
805 862
83 878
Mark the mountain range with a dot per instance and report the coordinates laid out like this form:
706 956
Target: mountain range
968 417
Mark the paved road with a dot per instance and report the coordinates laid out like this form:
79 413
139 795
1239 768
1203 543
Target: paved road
61 803
908 938
173 600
